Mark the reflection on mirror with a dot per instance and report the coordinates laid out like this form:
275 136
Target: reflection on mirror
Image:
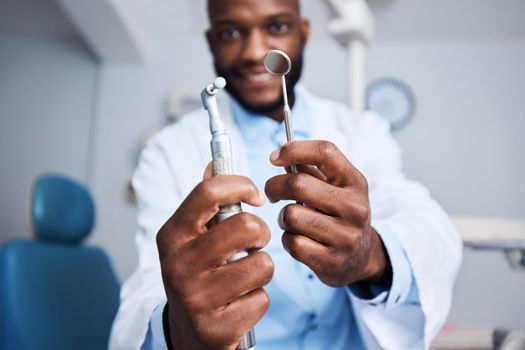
277 62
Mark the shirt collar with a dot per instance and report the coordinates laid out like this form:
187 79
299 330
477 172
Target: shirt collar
255 127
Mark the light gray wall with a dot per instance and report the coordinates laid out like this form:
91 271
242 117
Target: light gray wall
466 145
466 139
46 95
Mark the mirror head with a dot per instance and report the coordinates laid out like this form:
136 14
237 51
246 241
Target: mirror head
277 62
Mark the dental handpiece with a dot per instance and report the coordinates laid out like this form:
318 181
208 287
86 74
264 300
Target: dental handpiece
222 162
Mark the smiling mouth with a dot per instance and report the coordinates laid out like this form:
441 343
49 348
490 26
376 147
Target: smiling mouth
258 77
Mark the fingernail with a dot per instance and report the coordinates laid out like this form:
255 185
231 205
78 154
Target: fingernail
280 221
262 197
275 155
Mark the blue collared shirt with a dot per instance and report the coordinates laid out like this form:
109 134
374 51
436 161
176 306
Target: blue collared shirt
304 313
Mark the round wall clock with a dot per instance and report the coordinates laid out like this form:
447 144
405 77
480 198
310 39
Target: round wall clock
393 100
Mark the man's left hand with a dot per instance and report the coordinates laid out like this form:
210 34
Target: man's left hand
330 231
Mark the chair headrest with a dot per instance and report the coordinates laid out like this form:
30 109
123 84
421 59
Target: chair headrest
61 210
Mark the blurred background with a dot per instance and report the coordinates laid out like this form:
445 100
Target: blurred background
83 83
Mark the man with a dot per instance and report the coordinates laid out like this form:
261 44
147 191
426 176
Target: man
367 260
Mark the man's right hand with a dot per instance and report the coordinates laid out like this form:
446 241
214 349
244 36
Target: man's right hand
213 303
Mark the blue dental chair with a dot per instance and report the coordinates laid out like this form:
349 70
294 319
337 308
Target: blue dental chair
55 293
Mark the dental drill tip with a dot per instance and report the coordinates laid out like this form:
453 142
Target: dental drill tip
220 83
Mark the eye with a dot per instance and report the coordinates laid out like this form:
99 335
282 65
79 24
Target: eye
229 34
279 28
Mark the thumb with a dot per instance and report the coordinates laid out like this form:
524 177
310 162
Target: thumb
208 172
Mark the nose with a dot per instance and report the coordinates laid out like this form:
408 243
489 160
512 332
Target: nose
255 47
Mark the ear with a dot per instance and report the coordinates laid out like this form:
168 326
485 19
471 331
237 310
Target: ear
304 27
209 39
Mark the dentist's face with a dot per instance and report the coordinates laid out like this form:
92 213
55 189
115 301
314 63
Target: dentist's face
241 33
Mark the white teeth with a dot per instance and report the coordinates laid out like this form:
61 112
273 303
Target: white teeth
259 77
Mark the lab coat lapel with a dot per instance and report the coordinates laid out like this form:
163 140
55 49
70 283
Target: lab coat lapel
327 126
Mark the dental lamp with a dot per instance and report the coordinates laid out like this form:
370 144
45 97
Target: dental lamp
353 26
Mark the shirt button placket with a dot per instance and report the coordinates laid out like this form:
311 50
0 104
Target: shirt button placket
312 321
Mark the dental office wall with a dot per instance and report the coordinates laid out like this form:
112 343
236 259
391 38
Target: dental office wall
464 143
47 81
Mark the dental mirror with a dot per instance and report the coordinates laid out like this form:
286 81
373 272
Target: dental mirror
278 63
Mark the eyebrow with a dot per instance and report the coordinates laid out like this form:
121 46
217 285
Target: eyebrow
280 15
229 22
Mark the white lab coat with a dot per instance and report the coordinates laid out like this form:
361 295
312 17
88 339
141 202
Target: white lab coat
173 163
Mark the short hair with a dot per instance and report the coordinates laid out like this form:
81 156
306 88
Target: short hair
297 4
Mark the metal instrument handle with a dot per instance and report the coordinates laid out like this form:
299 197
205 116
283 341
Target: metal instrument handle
289 130
223 165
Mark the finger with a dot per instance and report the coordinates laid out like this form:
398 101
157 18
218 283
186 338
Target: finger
322 154
235 279
233 321
208 172
201 205
308 169
304 249
306 189
204 201
298 219
246 311
240 232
